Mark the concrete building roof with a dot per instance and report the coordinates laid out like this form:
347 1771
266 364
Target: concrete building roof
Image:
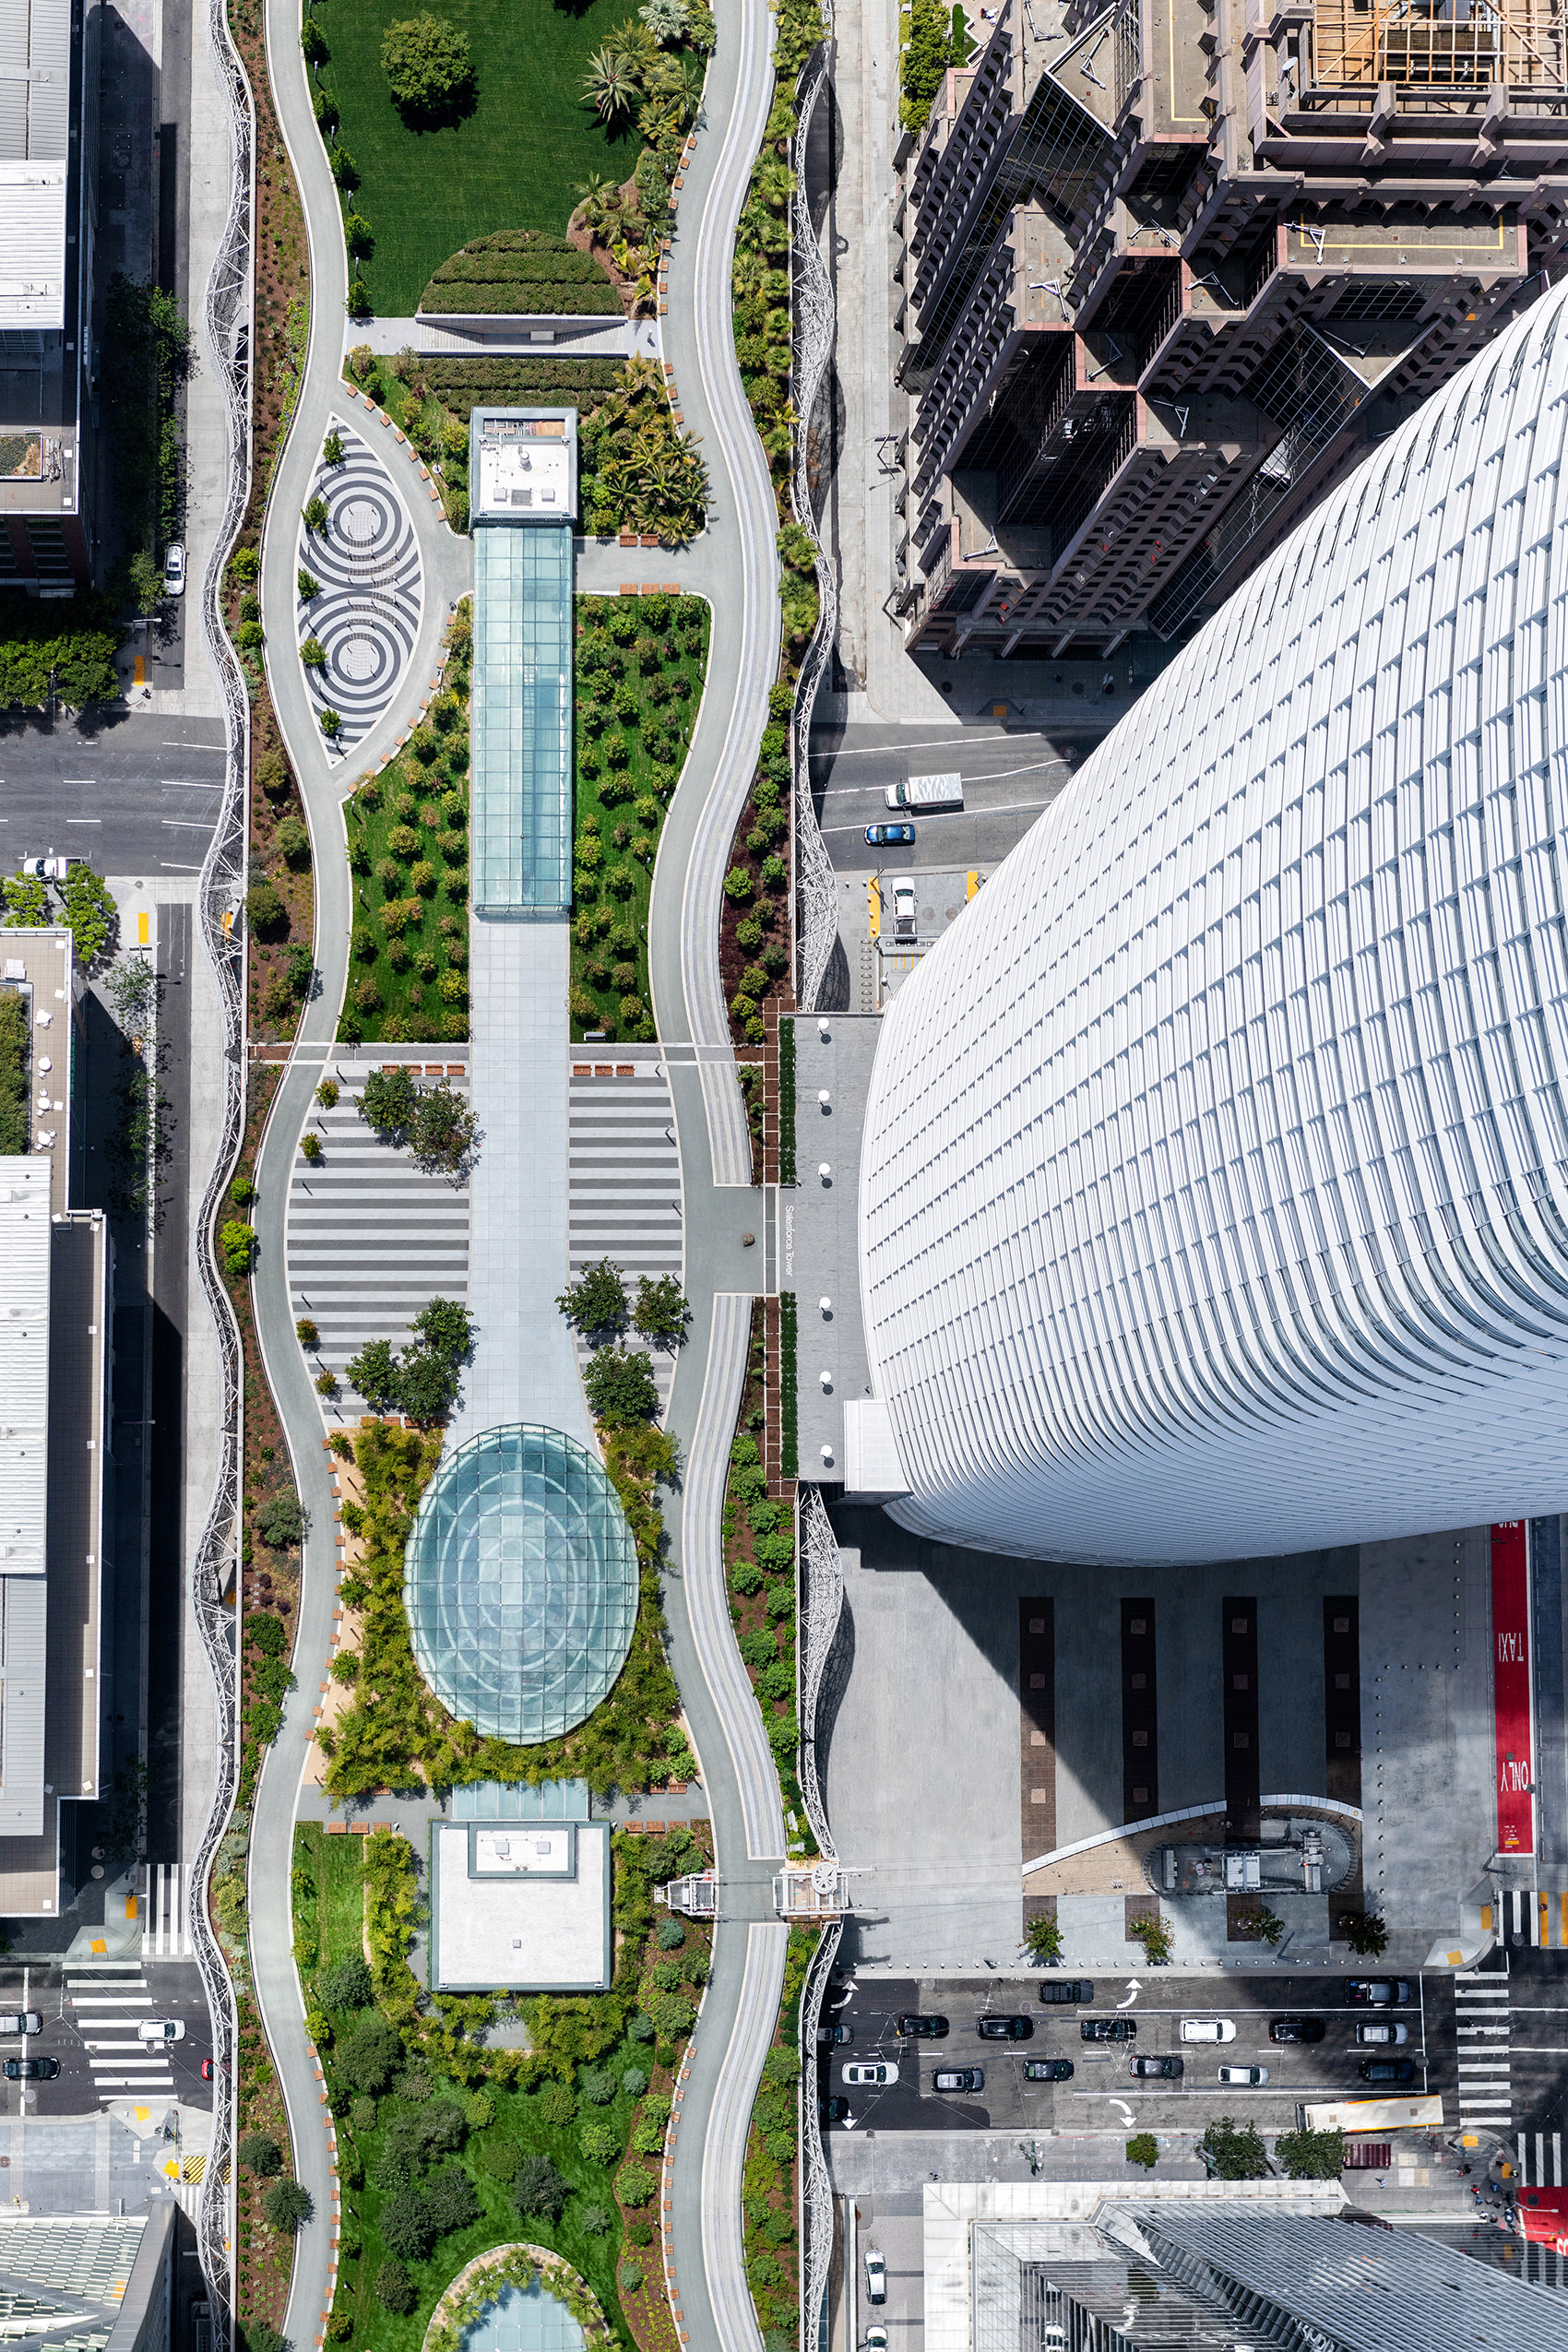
35 103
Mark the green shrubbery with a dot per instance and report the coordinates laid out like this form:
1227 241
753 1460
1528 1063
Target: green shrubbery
521 271
15 1129
66 647
927 55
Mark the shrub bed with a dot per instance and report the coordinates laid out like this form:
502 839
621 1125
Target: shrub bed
407 834
639 673
767 2194
520 270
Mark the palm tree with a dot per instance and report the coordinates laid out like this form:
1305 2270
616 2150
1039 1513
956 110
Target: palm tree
599 202
611 83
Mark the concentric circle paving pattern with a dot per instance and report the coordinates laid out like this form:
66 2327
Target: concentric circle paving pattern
521 1582
367 613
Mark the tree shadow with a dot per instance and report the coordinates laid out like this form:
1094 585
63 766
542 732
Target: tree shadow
443 113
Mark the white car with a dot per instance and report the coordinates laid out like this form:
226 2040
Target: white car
161 2029
1247 2077
22 2020
175 569
875 2338
876 2275
1382 2029
904 902
875 2075
1205 2029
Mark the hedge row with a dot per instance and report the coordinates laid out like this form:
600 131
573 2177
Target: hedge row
463 383
521 270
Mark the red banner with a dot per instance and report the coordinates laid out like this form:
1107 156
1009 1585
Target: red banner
1511 1686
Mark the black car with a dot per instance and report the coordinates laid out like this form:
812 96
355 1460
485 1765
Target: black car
1295 2029
833 2109
833 2036
958 2078
1170 2069
1048 2070
914 2028
1374 2070
1108 2029
1005 2030
1061 1993
1377 1992
32 2070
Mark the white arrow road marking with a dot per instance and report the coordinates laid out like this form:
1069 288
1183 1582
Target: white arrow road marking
1134 1988
1126 2111
851 2123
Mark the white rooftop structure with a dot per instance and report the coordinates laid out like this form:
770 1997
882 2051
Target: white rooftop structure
35 94
25 1243
519 1905
1213 1194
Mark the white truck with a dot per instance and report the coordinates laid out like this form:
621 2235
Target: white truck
928 792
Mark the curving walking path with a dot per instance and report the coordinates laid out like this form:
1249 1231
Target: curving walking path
725 1219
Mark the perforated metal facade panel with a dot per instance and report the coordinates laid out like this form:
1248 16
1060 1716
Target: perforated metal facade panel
1215 1189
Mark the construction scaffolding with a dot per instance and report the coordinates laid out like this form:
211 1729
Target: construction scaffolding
1440 44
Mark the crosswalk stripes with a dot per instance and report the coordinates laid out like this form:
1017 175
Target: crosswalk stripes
1482 2032
1539 1913
106 2005
372 1238
164 1932
625 1172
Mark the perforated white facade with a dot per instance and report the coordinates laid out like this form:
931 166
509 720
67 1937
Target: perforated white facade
1213 1194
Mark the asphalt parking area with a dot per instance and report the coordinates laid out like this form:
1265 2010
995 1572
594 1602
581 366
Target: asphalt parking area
1102 2093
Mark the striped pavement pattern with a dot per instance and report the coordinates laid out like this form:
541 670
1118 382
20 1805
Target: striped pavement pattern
1483 2033
164 1933
1542 1915
625 1185
372 1239
107 2000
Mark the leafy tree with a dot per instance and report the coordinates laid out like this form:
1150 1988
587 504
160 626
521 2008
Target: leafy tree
286 2207
633 2082
313 41
1311 2155
635 2184
426 1385
593 2220
1155 1936
388 1103
260 2155
267 915
1234 2152
332 450
237 1241
450 2196
357 230
660 1313
371 2055
441 1129
501 2158
349 1985
407 2226
331 723
447 1328
258 2336
281 1523
294 843
1144 2148
27 902
671 1933
91 913
620 1387
427 63
373 1371
541 2191
313 653
1366 1933
612 85
596 1302
395 2290
598 2086
315 513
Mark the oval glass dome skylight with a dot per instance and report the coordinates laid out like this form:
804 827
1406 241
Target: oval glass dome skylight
521 1582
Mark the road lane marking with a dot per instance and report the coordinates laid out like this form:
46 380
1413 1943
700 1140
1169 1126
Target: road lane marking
932 743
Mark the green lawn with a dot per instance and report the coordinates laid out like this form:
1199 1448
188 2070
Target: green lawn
513 163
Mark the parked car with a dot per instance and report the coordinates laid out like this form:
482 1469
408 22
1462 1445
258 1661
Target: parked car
49 869
161 2029
175 569
1165 2069
1005 2030
1380 2029
1063 1993
1205 2029
914 2028
833 2109
1048 2070
958 2078
875 2073
1295 2029
889 837
1388 2070
875 2338
1377 1991
1244 2077
22 2020
902 900
32 2070
876 2275
1108 2029
831 2036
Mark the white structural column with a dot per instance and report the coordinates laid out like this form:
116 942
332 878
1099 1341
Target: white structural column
524 1368
1215 1190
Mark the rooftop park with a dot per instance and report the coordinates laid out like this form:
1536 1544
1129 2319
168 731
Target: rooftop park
640 665
475 116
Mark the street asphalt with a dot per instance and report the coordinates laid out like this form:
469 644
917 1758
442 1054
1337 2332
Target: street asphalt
1010 774
134 792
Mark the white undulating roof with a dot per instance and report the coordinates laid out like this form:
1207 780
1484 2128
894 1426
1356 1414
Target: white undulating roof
25 1243
1215 1177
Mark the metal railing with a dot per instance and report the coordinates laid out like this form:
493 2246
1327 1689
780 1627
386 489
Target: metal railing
816 2187
822 1611
817 930
228 316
